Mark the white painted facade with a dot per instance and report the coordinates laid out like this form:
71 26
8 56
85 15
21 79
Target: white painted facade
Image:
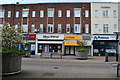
104 24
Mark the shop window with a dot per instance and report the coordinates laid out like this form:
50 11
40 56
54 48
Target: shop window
17 14
9 14
50 12
33 13
76 12
96 13
41 28
77 28
67 28
33 28
115 28
96 28
105 13
59 28
25 28
114 13
105 28
2 14
59 13
16 27
25 12
86 13
41 13
50 28
68 13
86 28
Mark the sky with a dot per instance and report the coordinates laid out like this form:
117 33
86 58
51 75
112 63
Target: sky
50 1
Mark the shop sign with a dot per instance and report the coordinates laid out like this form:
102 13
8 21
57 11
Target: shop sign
32 36
51 36
73 37
103 37
86 38
25 36
70 43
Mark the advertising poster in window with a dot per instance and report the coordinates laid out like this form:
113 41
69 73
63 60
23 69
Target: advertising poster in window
32 47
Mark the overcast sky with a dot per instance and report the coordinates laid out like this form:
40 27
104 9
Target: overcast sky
45 1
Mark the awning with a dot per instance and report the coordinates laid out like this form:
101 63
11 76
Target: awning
51 42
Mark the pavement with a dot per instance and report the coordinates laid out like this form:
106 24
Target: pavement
67 67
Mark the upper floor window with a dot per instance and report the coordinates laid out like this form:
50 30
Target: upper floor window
50 12
68 13
96 13
25 27
96 30
86 28
33 13
25 12
41 13
9 14
33 28
67 28
105 28
59 13
1 25
86 13
59 28
50 28
77 28
76 12
41 28
114 13
17 14
115 28
2 14
105 13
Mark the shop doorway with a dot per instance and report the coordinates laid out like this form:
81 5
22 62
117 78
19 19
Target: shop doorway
69 50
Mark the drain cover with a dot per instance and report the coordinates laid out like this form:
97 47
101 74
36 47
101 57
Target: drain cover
55 67
48 74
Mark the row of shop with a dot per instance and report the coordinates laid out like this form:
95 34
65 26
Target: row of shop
65 44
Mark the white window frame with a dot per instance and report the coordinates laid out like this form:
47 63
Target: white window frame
41 28
96 13
59 13
105 28
50 12
59 28
17 14
96 30
25 12
9 14
115 28
50 26
68 13
2 13
1 25
33 28
86 13
86 28
77 12
114 13
105 13
41 13
67 28
77 28
25 27
33 13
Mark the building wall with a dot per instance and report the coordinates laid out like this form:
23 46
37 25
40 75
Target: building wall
119 16
100 20
45 20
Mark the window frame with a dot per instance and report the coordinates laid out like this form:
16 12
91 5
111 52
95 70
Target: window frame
86 28
78 28
67 28
86 13
41 13
67 13
77 12
59 28
59 13
17 14
41 26
51 28
25 26
9 14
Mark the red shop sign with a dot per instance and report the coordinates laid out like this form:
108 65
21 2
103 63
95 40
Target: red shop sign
32 36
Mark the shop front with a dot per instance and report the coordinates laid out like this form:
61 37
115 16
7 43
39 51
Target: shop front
70 43
49 43
29 45
103 44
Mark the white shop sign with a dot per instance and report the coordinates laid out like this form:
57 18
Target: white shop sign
104 37
50 36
